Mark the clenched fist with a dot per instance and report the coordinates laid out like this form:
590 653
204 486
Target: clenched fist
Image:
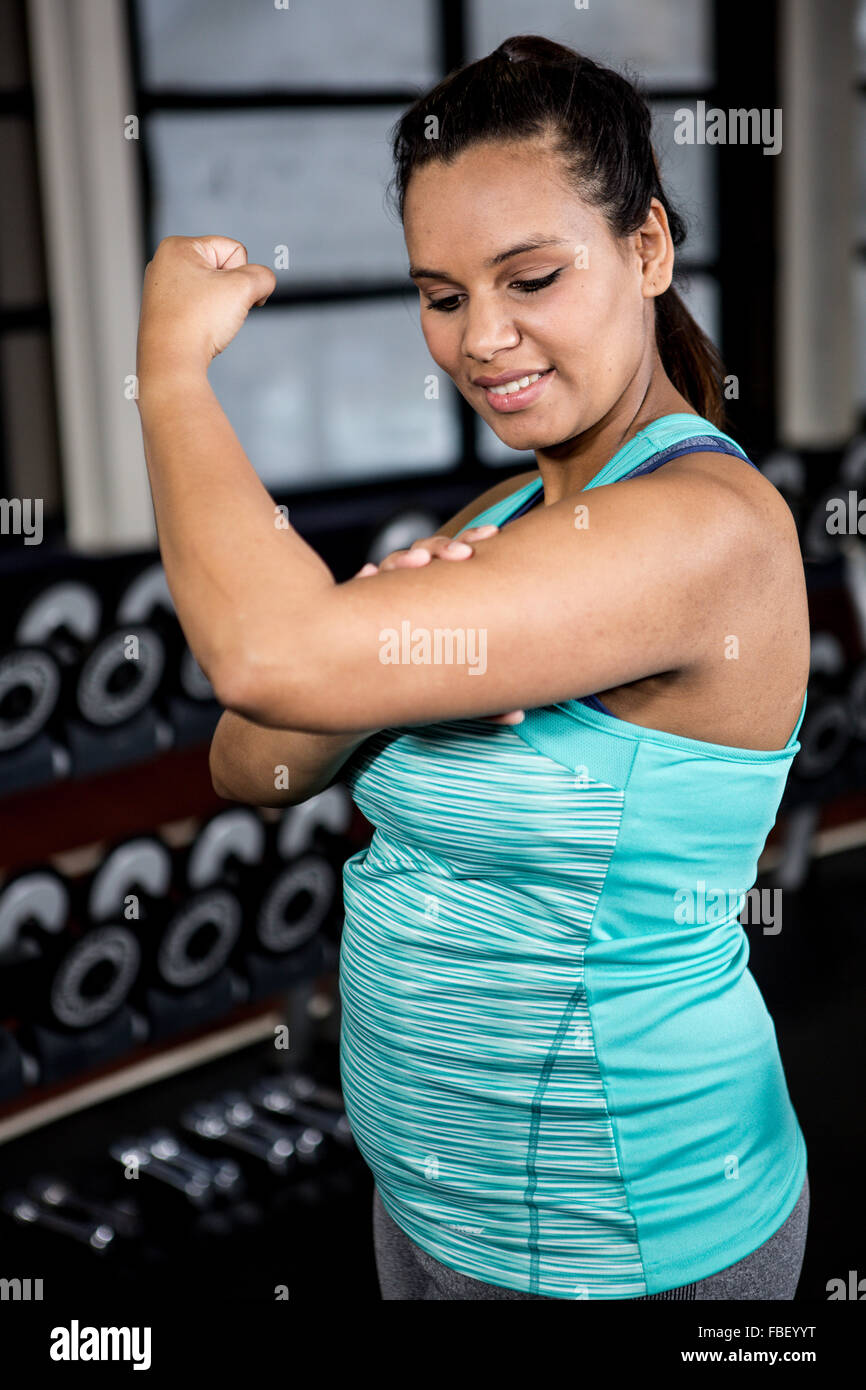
197 292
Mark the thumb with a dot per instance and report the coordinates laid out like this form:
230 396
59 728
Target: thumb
225 253
261 282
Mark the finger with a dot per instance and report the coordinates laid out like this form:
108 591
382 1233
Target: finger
443 547
516 716
405 559
221 252
479 533
261 278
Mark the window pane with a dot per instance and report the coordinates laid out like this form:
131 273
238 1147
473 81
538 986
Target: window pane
14 70
336 393
312 181
859 273
29 408
211 44
668 42
689 179
861 37
22 276
701 295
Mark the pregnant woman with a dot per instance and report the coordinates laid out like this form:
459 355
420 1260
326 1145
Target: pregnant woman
555 1060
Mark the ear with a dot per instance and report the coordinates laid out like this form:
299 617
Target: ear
656 250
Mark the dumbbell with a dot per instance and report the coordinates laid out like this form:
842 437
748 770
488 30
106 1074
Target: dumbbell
30 686
787 472
52 1204
175 1171
277 1096
282 905
231 1121
56 970
312 840
819 542
185 936
108 678
147 600
90 1230
826 729
857 701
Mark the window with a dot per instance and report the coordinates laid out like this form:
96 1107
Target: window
29 453
272 124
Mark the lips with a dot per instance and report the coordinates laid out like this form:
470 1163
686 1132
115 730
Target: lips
503 380
507 402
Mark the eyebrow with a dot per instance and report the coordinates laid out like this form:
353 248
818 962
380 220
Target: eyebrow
533 244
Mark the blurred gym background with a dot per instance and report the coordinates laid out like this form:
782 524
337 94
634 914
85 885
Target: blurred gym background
168 995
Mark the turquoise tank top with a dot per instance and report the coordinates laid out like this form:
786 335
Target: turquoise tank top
554 1057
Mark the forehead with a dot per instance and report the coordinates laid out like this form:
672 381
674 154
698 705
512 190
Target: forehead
485 190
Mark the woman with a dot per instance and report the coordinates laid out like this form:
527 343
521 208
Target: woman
554 1058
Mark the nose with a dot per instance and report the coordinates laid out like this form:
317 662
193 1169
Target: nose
488 328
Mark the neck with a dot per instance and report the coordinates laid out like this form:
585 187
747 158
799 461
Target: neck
567 467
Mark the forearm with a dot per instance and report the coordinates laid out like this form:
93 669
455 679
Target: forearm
275 767
235 569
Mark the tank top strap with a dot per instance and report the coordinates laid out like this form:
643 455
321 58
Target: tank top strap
670 437
793 739
657 443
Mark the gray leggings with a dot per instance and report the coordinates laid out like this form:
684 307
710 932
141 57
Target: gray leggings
770 1272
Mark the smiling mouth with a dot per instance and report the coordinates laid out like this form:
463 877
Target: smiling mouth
521 383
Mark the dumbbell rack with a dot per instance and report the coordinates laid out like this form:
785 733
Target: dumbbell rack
43 1129
287 1208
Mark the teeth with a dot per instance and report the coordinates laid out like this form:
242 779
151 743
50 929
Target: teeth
511 386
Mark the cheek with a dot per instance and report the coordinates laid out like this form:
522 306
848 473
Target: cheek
606 316
441 338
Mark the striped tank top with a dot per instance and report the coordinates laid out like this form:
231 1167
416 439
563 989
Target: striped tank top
554 1058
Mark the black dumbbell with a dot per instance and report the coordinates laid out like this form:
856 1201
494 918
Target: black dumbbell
107 678
147 600
185 937
826 729
305 895
55 970
787 472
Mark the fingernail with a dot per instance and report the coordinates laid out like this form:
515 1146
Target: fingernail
367 569
458 548
486 530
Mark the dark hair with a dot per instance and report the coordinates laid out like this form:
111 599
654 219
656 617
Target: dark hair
601 125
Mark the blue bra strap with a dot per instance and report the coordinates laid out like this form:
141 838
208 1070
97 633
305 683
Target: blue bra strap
698 444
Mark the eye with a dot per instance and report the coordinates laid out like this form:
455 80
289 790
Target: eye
448 304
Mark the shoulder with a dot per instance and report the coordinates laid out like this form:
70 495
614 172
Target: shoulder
748 536
494 494
742 501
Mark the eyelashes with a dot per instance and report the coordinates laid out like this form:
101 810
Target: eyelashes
449 303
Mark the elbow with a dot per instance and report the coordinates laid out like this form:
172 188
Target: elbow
219 786
307 697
